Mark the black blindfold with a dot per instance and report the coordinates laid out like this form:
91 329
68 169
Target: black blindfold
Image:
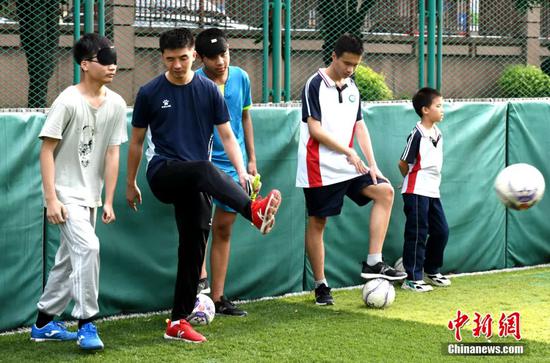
106 56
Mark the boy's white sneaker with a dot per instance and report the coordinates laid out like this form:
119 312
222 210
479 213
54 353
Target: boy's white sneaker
417 286
437 280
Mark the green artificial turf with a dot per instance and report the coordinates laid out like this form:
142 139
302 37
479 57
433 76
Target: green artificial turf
293 329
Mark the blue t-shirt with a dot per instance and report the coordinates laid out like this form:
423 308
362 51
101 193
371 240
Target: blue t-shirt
236 93
181 118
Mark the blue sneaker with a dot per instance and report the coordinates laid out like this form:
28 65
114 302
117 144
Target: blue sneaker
88 338
54 331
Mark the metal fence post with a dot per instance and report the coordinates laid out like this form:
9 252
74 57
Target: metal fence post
101 17
265 67
276 51
287 49
76 35
421 25
439 64
88 16
431 43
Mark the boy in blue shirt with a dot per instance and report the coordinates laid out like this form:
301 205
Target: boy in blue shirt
233 82
426 229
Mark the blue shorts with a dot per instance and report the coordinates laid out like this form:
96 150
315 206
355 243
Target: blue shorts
328 200
233 174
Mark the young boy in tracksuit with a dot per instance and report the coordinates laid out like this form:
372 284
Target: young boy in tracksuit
426 229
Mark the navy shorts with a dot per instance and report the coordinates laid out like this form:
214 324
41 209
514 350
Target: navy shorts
328 200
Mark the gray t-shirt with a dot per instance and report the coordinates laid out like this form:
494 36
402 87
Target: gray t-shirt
85 133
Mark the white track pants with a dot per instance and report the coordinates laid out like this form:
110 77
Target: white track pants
75 274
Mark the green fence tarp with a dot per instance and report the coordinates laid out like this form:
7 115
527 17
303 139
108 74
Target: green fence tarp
138 251
528 239
21 218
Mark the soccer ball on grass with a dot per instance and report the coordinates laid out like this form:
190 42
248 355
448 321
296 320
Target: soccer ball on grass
204 311
378 293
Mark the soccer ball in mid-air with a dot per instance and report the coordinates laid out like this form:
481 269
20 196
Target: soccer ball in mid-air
378 293
520 186
204 311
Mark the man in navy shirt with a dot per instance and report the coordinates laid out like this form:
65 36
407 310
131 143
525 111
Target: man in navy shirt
181 109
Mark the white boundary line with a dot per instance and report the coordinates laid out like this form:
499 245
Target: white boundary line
511 269
167 312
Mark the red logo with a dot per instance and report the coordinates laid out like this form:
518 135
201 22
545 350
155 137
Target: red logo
483 325
457 324
508 325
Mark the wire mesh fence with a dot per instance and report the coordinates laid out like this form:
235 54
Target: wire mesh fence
480 39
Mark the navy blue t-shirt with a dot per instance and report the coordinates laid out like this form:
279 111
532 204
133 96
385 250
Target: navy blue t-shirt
181 118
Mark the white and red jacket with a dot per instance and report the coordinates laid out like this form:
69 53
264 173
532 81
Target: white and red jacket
338 110
424 154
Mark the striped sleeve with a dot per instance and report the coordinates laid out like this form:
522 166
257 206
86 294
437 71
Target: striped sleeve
412 148
310 99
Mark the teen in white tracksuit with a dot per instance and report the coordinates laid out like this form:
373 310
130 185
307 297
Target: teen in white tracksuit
80 152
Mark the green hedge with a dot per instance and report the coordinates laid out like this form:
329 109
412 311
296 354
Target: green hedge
372 86
524 81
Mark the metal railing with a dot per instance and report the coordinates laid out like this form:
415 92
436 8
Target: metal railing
189 13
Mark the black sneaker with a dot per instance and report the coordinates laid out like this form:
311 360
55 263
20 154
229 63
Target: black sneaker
203 287
226 307
323 296
381 270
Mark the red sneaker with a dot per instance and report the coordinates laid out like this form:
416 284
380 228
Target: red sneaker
264 210
182 331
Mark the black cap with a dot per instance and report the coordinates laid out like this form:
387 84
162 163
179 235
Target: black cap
210 46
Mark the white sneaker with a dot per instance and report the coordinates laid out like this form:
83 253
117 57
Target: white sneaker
417 286
437 280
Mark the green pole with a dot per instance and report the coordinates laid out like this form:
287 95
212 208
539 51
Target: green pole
88 16
265 67
101 17
76 36
421 25
287 49
276 51
439 44
431 43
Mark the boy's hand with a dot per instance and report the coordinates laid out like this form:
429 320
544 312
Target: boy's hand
56 212
252 168
356 161
374 174
108 214
133 194
244 178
